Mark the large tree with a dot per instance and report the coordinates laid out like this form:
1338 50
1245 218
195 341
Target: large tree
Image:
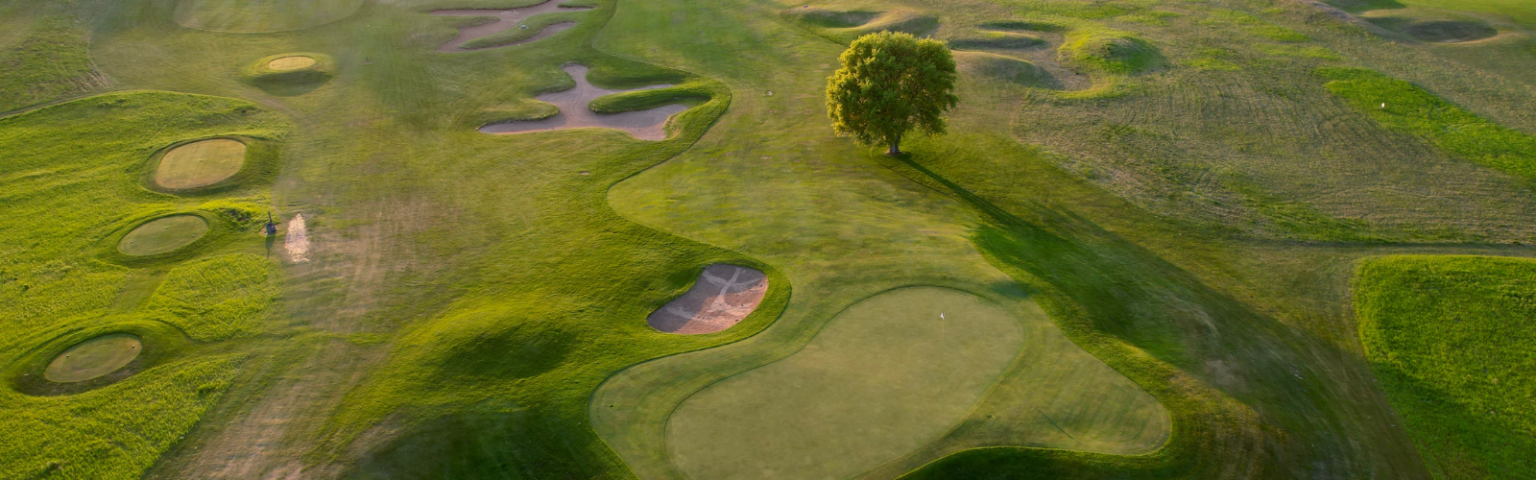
891 83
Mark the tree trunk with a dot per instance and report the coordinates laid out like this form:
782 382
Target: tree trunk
895 147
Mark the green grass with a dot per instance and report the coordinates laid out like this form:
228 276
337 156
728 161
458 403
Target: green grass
1449 337
1405 107
49 59
261 16
163 235
216 298
93 358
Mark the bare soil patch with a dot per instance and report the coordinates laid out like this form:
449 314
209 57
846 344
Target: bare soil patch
200 163
94 358
505 20
163 235
290 63
296 241
643 124
723 296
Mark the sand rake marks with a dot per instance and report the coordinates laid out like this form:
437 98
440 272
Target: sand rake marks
723 296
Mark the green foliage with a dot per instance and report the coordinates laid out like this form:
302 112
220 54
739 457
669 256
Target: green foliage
216 298
1449 337
1403 106
889 84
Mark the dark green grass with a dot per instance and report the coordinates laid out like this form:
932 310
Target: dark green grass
1405 107
49 61
1450 339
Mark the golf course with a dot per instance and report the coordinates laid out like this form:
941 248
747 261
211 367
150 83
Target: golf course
767 239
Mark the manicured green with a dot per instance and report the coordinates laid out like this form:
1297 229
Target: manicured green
163 235
891 84
1450 339
200 163
1405 107
93 358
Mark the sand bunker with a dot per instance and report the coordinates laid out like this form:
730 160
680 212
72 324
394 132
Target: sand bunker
505 20
643 124
201 163
296 242
290 63
93 358
163 235
724 295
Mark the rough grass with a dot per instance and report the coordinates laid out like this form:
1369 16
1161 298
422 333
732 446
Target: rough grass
75 164
49 61
1449 337
1405 107
216 298
243 16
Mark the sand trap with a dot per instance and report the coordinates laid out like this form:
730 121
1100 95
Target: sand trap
505 20
199 164
724 295
93 358
296 242
290 63
643 124
163 235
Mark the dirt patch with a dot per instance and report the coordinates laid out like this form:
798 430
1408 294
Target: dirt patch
201 163
163 235
723 296
505 20
290 63
643 124
296 241
94 358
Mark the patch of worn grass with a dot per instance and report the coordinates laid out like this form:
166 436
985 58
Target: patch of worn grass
1405 107
1449 337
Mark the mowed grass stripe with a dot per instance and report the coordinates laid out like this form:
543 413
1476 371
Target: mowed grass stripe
881 379
1450 339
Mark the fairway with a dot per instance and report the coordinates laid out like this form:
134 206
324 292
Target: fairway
93 358
1451 339
202 163
882 378
163 235
261 16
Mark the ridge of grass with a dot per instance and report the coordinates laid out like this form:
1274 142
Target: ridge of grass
1405 107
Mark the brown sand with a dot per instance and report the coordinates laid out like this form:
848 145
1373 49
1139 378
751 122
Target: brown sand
643 124
290 63
724 295
296 241
505 20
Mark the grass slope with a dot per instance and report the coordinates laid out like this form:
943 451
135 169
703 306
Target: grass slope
1449 337
48 60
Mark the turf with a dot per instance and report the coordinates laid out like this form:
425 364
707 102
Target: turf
880 379
266 16
93 358
290 63
163 235
200 163
1449 338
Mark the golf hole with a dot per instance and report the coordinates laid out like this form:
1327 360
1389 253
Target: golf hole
163 235
723 295
94 358
201 163
290 63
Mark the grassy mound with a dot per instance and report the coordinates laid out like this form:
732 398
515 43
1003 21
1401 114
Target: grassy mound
93 358
266 16
1007 69
163 235
287 74
1104 52
1450 338
1405 107
216 298
996 41
49 61
889 360
690 93
200 163
845 26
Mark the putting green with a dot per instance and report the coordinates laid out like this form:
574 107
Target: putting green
290 63
201 163
162 235
261 16
93 358
884 377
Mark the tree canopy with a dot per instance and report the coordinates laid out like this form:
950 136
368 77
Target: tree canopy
891 83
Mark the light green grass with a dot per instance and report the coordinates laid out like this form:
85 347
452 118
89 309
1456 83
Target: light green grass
48 59
1450 337
216 298
261 16
879 380
1402 106
200 163
163 235
93 358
